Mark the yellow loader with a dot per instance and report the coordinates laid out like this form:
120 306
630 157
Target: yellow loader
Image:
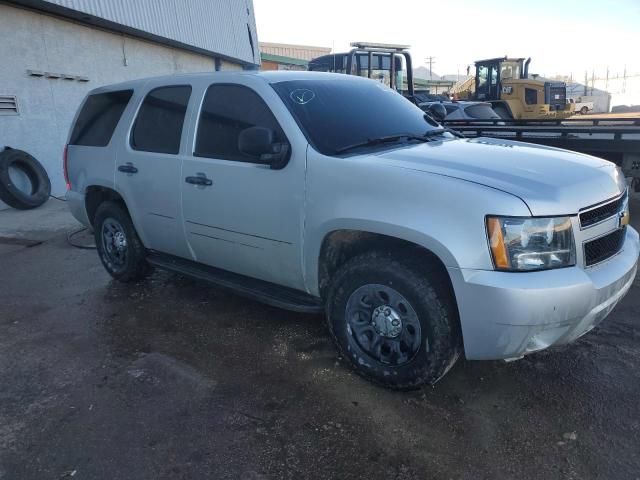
505 83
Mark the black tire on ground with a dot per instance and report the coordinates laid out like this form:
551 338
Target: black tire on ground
429 340
584 110
118 244
37 175
503 112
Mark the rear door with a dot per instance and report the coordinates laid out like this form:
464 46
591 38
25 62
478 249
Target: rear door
248 218
90 153
148 165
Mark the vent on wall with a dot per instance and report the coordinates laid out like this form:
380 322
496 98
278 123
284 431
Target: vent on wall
8 105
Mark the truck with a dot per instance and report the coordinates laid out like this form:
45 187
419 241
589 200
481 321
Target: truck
580 106
331 194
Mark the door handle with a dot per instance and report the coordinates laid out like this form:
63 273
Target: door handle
199 179
127 168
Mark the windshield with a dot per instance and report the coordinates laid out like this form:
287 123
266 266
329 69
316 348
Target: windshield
334 114
509 70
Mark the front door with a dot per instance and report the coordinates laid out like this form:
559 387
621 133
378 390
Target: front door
148 169
239 215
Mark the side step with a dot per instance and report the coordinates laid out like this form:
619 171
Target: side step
265 292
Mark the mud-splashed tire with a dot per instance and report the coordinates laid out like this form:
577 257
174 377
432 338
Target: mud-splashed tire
120 250
423 302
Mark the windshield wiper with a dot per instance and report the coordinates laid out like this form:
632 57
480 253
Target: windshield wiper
380 140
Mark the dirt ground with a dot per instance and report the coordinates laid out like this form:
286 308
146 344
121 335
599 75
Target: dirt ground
174 379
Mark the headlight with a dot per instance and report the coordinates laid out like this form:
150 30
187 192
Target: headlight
519 243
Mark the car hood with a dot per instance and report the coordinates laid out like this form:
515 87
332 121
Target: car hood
549 180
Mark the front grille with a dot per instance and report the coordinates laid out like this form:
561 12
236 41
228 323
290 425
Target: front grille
602 248
601 213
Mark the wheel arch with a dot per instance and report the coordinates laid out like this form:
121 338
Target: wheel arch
338 245
97 194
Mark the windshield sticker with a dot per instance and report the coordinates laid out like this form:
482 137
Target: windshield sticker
302 95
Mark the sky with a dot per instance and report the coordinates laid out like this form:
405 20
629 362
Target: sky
563 37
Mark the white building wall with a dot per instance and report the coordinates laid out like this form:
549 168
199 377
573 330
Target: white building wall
35 41
219 26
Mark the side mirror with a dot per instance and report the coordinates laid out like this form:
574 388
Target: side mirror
437 111
255 141
259 142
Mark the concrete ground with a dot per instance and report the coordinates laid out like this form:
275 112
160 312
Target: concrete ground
174 379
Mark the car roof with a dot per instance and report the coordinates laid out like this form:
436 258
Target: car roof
268 76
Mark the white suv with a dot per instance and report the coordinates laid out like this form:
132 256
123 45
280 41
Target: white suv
331 193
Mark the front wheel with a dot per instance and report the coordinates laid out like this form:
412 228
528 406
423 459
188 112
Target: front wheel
395 323
118 245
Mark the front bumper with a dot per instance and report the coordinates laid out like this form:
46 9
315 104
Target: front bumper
506 315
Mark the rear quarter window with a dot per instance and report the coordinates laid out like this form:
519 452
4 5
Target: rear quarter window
99 117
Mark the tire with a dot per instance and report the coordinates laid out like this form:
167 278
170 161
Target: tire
503 112
426 341
584 111
13 194
119 247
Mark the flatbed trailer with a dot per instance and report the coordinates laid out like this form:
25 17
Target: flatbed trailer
614 139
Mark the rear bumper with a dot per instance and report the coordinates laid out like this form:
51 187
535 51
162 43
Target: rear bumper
77 207
507 315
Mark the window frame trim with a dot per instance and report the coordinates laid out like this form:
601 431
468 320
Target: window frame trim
137 117
196 126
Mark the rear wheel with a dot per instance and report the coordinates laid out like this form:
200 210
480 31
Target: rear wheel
584 110
393 322
118 244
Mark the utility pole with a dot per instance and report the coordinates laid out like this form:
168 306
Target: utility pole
586 82
431 61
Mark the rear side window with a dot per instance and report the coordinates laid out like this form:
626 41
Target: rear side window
158 127
99 117
481 111
226 111
450 108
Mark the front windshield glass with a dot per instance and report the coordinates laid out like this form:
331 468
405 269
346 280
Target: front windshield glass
334 114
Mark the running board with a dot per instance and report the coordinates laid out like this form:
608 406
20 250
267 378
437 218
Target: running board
265 292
